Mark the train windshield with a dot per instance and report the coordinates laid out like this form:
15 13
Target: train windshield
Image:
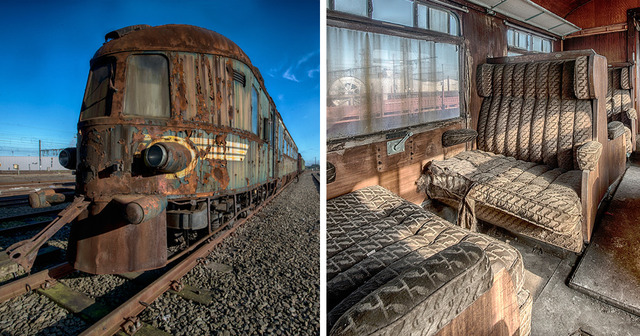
99 93
147 91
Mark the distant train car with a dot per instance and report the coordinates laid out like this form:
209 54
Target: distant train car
177 134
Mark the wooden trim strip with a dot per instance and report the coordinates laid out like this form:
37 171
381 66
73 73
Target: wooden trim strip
614 28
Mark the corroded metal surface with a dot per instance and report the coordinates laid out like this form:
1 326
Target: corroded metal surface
118 318
25 252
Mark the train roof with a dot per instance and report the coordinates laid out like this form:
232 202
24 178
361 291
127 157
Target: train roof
171 37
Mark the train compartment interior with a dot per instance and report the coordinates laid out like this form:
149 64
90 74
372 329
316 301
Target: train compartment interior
482 169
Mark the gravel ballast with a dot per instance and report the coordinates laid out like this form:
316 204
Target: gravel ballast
264 278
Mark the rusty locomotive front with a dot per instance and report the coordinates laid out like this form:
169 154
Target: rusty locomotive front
177 137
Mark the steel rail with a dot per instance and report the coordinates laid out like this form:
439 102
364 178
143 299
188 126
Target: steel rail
127 312
20 286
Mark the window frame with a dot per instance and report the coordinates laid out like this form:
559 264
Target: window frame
170 99
529 35
339 19
113 62
331 5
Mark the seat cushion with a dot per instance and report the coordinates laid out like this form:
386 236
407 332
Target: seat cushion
532 192
371 230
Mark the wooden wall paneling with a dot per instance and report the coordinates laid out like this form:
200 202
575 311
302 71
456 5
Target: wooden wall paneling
495 313
591 14
612 45
485 36
357 166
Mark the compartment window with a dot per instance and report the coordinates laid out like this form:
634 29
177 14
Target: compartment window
147 91
378 82
521 42
403 12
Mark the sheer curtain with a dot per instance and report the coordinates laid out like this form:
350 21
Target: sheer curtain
380 82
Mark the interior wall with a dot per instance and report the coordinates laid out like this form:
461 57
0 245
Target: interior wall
613 46
485 36
591 15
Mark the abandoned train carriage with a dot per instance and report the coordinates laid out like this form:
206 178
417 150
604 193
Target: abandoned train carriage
176 131
451 120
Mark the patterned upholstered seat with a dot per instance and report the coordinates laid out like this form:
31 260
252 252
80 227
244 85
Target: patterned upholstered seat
619 103
379 244
536 126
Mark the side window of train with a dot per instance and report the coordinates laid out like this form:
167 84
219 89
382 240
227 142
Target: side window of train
100 89
521 41
254 110
389 79
147 91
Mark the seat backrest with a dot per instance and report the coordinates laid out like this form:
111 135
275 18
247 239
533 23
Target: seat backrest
619 94
537 111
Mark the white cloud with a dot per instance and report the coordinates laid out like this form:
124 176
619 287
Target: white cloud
288 75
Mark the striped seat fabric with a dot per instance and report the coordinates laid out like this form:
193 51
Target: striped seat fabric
395 268
525 174
619 103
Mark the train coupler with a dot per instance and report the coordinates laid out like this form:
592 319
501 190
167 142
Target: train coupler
24 252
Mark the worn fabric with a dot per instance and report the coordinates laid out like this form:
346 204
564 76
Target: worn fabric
588 155
539 194
615 129
618 102
399 234
572 241
525 304
417 297
537 112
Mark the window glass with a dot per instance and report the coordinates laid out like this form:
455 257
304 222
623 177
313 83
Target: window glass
147 91
422 17
528 41
522 41
356 7
394 11
453 25
438 20
98 95
254 110
409 82
536 43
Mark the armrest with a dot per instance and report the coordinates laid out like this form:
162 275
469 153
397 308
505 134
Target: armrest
615 129
632 114
458 136
426 295
588 155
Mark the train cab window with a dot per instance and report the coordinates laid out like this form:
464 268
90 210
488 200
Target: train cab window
147 92
99 92
254 110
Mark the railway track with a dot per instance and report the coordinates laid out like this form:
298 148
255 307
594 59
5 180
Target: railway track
124 317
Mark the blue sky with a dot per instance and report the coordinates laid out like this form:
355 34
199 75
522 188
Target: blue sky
47 46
